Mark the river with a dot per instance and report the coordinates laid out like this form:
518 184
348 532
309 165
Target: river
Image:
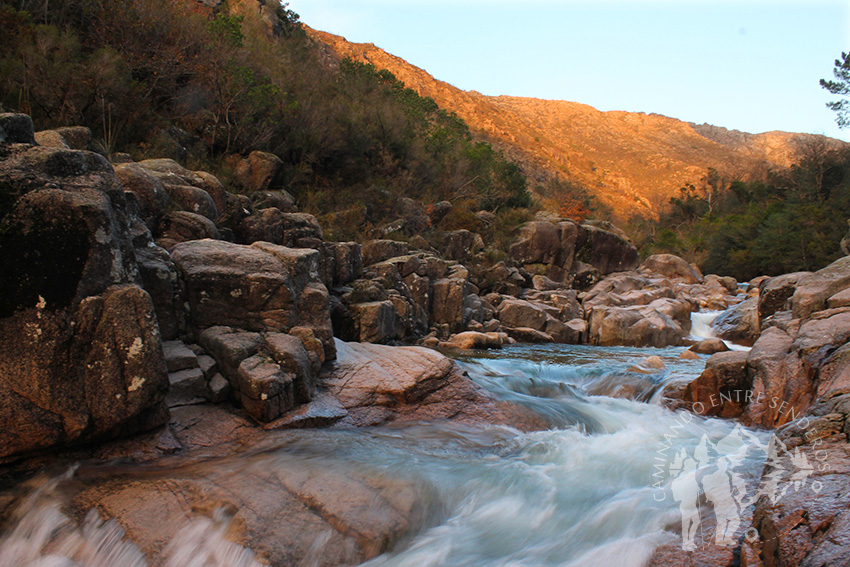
593 489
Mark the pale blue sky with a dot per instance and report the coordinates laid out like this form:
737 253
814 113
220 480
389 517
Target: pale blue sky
750 65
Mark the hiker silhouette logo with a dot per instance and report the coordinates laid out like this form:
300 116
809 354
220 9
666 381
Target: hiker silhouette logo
716 483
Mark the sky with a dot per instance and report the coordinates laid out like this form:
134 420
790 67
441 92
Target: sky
749 65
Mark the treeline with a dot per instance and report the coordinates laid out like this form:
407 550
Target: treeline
176 78
793 221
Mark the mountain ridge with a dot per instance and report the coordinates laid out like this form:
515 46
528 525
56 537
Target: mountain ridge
632 162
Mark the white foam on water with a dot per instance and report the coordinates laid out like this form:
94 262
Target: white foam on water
701 329
43 535
701 324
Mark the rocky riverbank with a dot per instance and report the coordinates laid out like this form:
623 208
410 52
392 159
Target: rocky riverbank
796 380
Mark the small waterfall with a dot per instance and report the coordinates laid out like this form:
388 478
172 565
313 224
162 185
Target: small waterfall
701 324
701 328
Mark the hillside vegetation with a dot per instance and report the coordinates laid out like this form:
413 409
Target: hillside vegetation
198 83
793 221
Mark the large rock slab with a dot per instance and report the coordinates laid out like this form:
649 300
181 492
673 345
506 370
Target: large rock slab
263 505
740 323
775 293
559 250
262 287
151 196
70 376
663 322
517 314
257 172
376 251
269 373
814 290
380 384
673 267
724 388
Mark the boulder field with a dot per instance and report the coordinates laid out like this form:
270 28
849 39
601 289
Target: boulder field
101 263
142 296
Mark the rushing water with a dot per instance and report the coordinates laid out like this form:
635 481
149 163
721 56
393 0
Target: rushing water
701 328
587 491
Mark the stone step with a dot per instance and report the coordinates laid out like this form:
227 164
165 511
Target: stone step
187 387
178 356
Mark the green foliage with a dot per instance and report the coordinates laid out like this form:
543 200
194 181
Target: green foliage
227 29
840 87
793 222
289 19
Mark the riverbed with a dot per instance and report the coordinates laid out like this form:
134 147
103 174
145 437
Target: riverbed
594 488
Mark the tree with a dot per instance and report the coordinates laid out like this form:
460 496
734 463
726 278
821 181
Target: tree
840 87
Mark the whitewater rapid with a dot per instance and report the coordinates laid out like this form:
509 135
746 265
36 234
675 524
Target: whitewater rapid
589 490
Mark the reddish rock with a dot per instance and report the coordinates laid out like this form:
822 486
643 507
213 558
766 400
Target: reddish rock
723 388
258 171
775 293
262 287
673 267
474 340
740 323
380 384
814 290
709 346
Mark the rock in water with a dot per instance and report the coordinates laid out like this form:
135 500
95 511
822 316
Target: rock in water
380 384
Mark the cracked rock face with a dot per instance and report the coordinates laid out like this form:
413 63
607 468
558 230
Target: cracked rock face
80 354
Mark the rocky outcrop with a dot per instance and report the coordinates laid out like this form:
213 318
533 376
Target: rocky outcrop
795 361
284 512
471 340
808 527
516 315
740 323
796 378
663 322
80 354
68 138
262 287
775 293
257 172
812 292
709 346
16 129
673 267
562 251
724 388
152 198
376 251
461 245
